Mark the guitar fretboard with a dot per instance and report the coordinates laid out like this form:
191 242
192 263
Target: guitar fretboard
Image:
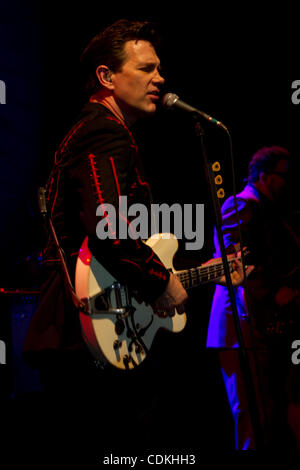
195 276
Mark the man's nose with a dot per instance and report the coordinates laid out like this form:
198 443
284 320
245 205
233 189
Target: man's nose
158 78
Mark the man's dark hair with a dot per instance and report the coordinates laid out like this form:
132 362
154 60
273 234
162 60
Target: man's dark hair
265 160
107 48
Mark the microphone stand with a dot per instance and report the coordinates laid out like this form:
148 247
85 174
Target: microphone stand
243 356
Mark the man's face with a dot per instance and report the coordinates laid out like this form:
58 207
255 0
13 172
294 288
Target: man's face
277 178
137 84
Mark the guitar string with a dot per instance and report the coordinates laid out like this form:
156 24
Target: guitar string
202 272
205 268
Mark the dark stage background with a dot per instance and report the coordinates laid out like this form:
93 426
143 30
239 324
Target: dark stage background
230 64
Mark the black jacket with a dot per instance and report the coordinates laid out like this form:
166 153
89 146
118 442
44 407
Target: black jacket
97 162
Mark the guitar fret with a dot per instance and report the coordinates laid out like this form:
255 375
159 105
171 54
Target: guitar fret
202 274
194 276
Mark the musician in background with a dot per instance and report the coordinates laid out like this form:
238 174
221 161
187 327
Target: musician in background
267 309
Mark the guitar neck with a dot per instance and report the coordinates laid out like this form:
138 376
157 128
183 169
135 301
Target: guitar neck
203 274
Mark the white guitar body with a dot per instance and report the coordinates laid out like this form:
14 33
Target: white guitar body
121 339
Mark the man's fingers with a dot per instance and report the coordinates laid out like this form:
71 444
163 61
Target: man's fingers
160 312
169 312
249 269
180 309
173 298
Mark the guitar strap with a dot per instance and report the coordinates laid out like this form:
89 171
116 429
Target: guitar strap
79 304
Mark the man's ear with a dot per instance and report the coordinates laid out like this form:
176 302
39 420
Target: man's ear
104 75
263 177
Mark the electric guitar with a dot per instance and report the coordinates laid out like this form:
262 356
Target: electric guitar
115 326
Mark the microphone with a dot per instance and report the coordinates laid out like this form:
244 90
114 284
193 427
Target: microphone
170 100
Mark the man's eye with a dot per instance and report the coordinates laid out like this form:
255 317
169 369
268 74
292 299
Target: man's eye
148 68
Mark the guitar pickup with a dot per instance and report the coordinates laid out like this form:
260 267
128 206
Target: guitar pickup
101 304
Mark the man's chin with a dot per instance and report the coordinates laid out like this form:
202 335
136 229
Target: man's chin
151 109
146 112
133 114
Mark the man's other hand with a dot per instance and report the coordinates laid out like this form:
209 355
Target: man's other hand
174 297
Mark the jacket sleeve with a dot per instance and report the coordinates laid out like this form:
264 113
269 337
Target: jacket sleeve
100 173
230 225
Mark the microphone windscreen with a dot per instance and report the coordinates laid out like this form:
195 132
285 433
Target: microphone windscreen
169 99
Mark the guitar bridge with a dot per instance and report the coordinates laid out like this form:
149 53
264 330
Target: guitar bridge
114 300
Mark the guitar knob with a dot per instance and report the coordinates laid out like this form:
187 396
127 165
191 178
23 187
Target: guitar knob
126 360
130 333
119 327
138 349
117 344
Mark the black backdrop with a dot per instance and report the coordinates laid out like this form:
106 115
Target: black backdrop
228 62
224 61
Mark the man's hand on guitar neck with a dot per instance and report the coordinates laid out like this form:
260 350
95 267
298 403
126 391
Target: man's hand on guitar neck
237 274
175 296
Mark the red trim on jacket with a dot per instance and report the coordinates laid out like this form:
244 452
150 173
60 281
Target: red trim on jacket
119 194
115 175
111 118
66 140
141 182
150 257
56 192
158 262
99 191
132 262
157 274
